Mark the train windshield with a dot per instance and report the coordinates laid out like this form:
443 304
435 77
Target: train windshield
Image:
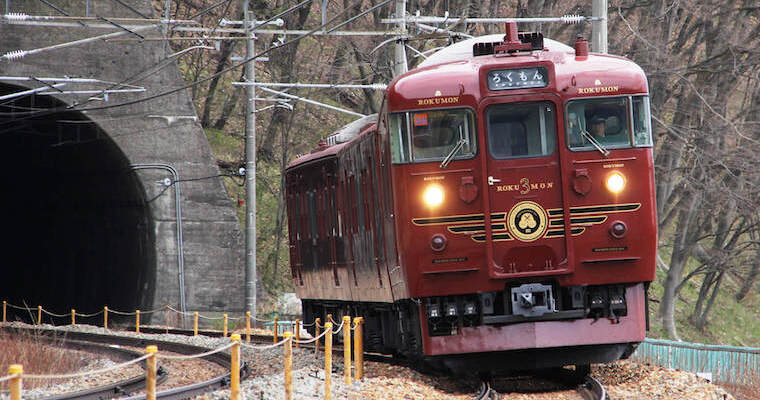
608 123
521 130
432 135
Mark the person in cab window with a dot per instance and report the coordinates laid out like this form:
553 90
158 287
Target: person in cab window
598 128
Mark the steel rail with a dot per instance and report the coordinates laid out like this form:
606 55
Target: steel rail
169 394
122 387
592 389
485 391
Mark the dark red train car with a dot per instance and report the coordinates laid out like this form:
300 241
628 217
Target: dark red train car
498 213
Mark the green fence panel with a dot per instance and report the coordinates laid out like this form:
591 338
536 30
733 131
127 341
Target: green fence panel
726 363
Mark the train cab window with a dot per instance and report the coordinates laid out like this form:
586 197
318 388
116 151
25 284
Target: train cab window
432 135
642 128
598 124
521 130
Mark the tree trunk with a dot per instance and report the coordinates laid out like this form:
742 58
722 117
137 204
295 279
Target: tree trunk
701 322
228 46
753 273
229 106
677 262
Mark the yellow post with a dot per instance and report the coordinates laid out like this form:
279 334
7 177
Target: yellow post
137 321
39 315
224 333
275 329
15 369
358 348
247 326
317 328
297 331
347 348
329 319
328 359
5 304
73 316
288 349
195 325
150 381
235 367
105 317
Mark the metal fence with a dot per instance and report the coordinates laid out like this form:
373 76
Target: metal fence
725 363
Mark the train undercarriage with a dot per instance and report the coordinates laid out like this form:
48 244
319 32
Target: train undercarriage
498 331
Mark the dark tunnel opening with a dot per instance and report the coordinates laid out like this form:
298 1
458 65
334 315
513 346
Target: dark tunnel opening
78 230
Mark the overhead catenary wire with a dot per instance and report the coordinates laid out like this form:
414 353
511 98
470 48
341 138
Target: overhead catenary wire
307 33
162 64
235 66
18 54
569 19
305 100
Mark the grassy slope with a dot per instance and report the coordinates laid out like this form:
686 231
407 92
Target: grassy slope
731 323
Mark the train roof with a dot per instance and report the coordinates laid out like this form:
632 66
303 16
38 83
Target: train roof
337 140
463 50
454 72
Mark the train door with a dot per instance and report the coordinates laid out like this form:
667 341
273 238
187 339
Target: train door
526 233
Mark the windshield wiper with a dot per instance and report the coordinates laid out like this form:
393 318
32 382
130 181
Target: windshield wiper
595 143
453 151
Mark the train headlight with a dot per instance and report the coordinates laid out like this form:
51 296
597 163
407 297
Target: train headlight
615 182
433 195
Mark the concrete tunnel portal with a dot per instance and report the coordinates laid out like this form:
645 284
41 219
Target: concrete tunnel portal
78 226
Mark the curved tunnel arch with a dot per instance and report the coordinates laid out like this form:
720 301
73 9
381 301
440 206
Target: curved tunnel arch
78 229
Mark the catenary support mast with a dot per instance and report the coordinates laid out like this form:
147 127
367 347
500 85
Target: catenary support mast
250 169
599 26
399 59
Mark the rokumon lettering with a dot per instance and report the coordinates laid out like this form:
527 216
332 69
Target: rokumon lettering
434 101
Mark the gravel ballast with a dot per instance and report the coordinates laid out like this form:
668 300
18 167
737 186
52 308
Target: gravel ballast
622 380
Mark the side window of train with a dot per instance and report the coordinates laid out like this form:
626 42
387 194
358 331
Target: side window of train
399 138
521 130
312 204
430 135
642 122
606 123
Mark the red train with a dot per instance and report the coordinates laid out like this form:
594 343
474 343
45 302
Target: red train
498 214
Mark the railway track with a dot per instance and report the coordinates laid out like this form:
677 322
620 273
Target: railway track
105 344
590 389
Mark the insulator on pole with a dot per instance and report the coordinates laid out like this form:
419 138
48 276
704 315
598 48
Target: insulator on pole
14 55
572 19
16 16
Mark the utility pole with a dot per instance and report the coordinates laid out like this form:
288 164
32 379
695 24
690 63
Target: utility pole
251 276
599 27
399 59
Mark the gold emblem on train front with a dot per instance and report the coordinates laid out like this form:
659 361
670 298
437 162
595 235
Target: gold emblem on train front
527 221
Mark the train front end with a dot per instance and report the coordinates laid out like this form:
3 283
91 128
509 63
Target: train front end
524 196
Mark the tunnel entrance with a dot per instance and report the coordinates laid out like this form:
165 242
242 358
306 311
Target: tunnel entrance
78 230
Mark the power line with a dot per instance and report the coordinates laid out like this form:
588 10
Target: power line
235 66
77 107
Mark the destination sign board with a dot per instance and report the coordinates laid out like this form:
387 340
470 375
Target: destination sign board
519 78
